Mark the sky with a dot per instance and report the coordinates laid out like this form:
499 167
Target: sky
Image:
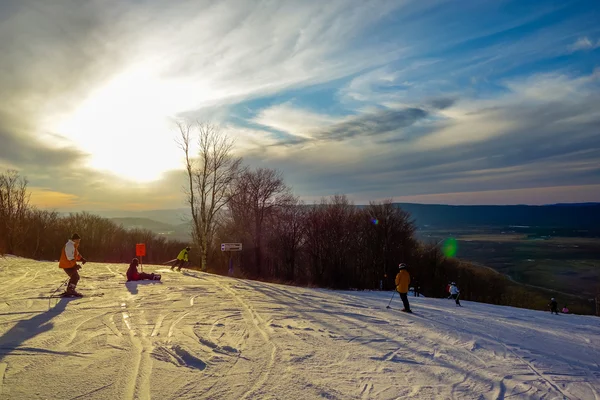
455 102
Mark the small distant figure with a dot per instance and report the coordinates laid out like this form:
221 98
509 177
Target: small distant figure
455 293
134 275
402 282
182 258
565 310
553 306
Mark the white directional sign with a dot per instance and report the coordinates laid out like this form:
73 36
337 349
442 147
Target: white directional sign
231 247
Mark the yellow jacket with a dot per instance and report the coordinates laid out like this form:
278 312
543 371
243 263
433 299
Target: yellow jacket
183 255
402 281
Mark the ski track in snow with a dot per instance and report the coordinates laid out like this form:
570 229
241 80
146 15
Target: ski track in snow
196 335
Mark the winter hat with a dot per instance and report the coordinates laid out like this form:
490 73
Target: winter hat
75 236
135 261
402 266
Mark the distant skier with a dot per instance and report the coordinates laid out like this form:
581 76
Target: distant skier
134 275
182 258
565 310
68 262
402 282
553 306
454 293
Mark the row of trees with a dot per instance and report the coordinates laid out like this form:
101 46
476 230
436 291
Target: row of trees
40 234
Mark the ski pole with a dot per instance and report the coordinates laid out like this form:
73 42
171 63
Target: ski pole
56 290
393 294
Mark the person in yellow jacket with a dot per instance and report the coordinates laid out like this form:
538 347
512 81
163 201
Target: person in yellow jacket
402 283
68 262
182 258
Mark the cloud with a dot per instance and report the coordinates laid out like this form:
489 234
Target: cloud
374 124
522 138
20 150
296 121
584 43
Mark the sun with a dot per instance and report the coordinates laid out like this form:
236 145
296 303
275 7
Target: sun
126 125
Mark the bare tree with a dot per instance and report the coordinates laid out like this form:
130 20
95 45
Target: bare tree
14 206
288 230
210 176
258 193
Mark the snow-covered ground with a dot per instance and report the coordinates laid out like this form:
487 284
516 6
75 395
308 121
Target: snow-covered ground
197 336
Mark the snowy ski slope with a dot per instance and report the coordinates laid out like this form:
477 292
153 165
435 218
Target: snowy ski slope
201 336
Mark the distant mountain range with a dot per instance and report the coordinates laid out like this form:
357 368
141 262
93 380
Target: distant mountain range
175 217
568 216
173 232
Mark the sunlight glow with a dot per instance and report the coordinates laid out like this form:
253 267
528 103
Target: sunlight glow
126 125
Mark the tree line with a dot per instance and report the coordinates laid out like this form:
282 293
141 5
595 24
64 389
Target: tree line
30 232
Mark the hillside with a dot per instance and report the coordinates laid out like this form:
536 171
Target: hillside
143 223
566 216
172 232
196 335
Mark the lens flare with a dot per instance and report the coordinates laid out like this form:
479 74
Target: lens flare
450 247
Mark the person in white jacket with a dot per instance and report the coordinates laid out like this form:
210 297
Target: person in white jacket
454 292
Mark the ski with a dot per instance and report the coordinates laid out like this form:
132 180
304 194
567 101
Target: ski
399 309
73 296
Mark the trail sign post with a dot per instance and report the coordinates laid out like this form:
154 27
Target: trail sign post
229 247
140 251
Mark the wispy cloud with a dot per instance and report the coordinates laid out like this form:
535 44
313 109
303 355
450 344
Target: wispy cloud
584 43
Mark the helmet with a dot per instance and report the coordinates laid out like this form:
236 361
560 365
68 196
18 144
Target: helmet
188 248
552 299
135 261
402 266
453 283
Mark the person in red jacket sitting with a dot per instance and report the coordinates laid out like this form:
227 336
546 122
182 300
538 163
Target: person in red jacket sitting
134 275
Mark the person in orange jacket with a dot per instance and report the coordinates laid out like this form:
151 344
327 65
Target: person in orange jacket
402 282
68 262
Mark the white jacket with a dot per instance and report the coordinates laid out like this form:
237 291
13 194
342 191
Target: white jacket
454 290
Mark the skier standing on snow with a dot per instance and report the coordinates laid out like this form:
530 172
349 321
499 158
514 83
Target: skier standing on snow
565 310
68 262
182 258
553 306
454 293
134 275
402 282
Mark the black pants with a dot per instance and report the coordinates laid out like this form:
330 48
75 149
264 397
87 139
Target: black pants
455 297
178 263
404 297
72 272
